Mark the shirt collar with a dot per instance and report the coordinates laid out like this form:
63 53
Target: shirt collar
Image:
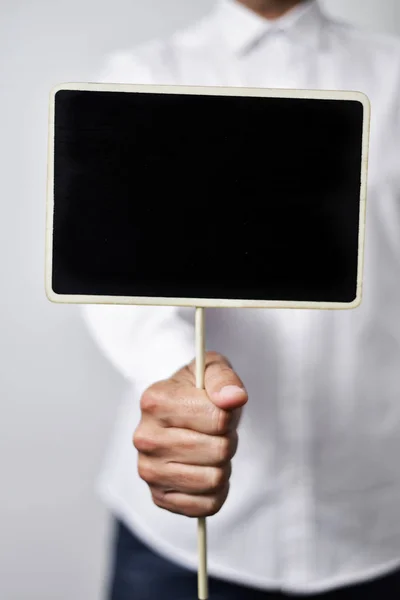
243 29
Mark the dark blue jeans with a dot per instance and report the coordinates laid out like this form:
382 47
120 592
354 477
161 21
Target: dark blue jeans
140 574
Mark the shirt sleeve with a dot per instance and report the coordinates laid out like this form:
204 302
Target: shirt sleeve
145 344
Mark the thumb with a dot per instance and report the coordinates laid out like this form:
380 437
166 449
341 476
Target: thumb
224 388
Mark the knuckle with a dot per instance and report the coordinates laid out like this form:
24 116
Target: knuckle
147 471
217 478
159 503
152 399
158 498
226 448
144 442
213 506
223 421
216 502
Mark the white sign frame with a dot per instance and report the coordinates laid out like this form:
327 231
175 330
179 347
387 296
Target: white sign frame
217 91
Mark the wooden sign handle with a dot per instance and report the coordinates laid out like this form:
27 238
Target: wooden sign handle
202 525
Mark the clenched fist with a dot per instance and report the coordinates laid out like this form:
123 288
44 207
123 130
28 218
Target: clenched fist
187 437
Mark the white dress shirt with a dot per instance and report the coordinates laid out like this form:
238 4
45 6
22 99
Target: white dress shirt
315 490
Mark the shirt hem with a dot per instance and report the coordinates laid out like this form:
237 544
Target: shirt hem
133 521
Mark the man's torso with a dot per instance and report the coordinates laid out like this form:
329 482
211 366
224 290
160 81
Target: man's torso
315 489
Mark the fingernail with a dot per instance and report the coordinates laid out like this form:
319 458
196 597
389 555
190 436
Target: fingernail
230 392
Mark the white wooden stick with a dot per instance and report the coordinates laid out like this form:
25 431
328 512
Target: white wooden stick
202 525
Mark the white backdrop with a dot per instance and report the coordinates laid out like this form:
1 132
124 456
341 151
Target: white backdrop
58 395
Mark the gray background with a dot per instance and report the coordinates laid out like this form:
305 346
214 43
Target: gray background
58 395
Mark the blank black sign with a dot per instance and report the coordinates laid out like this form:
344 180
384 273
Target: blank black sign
176 195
